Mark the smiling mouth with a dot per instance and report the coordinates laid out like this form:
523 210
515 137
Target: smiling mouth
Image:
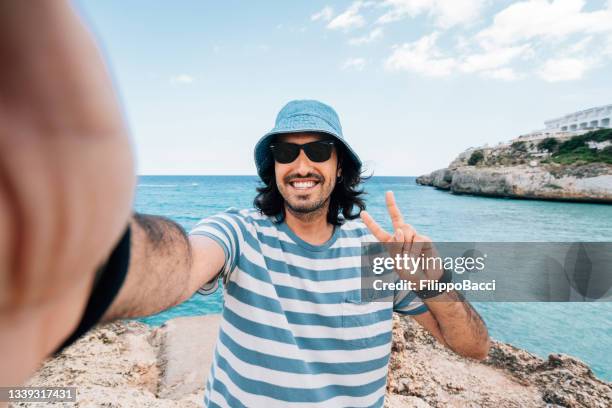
303 185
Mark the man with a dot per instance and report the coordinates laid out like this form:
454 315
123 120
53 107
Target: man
290 332
294 326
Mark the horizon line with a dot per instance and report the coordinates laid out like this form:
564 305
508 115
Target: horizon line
236 175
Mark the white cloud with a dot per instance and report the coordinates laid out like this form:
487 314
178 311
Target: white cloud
325 14
449 13
505 74
350 18
181 79
421 56
354 63
607 49
567 37
366 39
446 13
581 46
546 20
462 43
560 39
493 58
425 58
564 69
403 8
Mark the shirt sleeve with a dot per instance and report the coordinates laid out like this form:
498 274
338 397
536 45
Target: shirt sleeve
407 302
224 229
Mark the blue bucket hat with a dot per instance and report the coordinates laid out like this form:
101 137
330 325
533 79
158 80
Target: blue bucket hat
302 116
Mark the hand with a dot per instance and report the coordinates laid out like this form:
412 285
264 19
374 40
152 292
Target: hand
406 239
66 177
454 322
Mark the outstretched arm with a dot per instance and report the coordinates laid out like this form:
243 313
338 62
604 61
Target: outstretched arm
66 177
166 267
66 191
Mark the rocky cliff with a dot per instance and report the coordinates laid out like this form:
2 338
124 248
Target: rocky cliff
129 364
578 169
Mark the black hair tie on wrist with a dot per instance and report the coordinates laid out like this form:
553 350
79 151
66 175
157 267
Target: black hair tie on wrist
109 279
447 277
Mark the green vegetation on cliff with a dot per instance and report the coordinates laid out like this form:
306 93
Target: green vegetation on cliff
548 144
475 158
577 149
519 146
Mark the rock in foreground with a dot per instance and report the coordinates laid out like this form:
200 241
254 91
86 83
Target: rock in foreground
423 373
129 364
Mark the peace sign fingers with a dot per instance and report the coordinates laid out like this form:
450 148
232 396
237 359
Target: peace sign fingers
394 212
375 229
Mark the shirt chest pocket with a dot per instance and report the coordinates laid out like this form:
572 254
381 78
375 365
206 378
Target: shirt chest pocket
365 324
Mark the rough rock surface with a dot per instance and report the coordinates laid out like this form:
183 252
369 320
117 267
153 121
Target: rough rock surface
184 365
115 365
126 364
441 179
423 373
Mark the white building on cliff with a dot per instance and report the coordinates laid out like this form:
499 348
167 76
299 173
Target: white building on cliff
593 118
572 124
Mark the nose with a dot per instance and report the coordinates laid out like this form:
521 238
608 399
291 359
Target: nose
303 165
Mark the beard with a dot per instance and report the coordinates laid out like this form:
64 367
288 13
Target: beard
307 204
307 208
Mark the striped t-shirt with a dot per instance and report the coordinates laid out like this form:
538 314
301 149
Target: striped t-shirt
294 331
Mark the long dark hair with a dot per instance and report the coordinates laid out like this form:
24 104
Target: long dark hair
343 198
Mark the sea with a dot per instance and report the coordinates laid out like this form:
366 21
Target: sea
583 330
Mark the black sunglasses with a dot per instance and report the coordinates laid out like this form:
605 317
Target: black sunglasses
318 151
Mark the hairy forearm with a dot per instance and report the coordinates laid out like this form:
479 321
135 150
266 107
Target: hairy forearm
159 268
461 326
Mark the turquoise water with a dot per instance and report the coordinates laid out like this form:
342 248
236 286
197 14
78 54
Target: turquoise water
583 330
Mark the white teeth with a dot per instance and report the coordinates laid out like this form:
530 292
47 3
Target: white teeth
303 184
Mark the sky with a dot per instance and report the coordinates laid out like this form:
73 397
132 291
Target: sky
415 82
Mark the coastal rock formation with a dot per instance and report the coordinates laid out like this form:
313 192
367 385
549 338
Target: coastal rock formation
115 365
527 182
579 170
441 179
423 373
129 364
